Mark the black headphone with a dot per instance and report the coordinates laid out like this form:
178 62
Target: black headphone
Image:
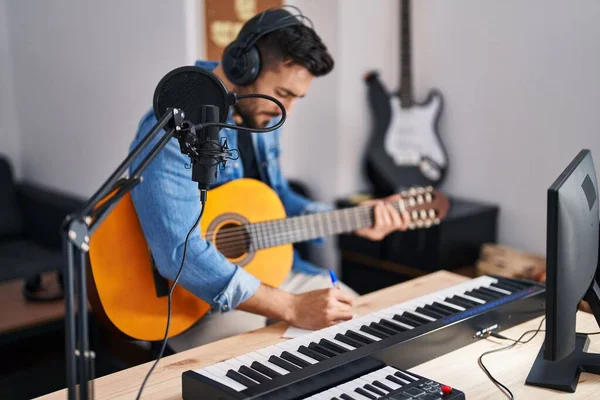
241 59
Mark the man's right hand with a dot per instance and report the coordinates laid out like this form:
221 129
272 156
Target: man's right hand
316 309
319 309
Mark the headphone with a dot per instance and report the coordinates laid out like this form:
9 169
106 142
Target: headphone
241 59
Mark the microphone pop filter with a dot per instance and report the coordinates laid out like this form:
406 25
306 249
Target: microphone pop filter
188 88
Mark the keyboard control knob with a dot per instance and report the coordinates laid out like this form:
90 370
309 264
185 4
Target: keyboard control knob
446 390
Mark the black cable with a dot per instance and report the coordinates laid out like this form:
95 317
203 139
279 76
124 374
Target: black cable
243 128
164 343
506 390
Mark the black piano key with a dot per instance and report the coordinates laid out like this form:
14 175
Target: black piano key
280 362
382 386
415 317
239 378
365 393
405 376
311 353
320 349
250 373
263 369
357 336
374 332
373 389
518 284
504 287
492 292
441 306
436 309
294 360
512 285
406 321
347 340
479 295
461 301
392 325
397 381
346 397
381 328
429 312
333 346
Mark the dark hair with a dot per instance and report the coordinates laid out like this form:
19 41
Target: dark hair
299 44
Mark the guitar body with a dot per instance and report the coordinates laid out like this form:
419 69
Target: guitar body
121 278
405 149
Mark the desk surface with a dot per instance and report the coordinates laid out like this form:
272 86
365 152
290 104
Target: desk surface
18 313
458 369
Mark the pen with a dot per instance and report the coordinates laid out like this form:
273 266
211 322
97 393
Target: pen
334 279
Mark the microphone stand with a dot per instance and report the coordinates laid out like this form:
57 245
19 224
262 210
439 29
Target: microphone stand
76 231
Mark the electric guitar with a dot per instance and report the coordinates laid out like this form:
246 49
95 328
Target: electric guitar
245 220
406 149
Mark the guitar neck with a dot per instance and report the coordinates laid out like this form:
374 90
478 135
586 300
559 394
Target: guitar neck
406 96
307 227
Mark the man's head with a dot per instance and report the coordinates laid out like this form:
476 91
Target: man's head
290 58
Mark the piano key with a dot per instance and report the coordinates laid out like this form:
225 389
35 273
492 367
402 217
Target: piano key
323 350
506 286
515 283
328 344
494 286
280 362
461 302
312 354
405 321
346 397
404 325
428 310
375 390
224 380
423 319
286 355
359 337
401 374
256 357
263 369
381 377
480 295
373 331
381 385
437 308
366 394
410 319
441 306
236 376
345 339
349 389
253 374
397 327
491 292
472 298
395 379
453 306
383 328
291 348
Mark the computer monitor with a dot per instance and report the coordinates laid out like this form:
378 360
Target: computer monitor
572 244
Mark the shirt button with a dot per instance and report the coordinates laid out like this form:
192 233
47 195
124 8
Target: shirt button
225 307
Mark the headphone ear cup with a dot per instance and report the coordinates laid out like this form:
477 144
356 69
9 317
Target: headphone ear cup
241 68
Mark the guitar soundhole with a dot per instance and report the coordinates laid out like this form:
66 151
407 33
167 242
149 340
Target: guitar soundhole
232 241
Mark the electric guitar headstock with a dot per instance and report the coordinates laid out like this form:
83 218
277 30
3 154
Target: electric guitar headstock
425 205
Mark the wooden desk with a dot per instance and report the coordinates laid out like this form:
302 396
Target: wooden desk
458 369
17 313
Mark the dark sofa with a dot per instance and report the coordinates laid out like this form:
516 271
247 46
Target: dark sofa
30 220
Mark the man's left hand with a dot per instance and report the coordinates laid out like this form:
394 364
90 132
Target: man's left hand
387 219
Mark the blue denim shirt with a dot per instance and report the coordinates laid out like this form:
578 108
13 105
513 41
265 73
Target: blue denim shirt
167 203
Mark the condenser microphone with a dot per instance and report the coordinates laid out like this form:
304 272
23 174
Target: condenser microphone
205 102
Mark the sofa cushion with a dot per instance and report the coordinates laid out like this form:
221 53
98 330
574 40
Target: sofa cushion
21 259
11 220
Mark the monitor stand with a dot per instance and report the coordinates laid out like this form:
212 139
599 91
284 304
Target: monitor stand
564 374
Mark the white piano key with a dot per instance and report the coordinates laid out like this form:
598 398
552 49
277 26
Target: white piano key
224 380
392 371
381 377
427 317
475 299
499 290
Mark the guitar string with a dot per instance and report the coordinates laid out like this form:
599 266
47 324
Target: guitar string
269 232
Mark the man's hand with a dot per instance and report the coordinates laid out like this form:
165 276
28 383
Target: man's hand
319 309
387 219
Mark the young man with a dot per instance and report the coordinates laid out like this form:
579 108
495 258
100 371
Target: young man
167 202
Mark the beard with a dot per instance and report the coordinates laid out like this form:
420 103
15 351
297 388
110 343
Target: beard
253 118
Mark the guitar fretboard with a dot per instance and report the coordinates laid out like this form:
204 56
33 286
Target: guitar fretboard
307 227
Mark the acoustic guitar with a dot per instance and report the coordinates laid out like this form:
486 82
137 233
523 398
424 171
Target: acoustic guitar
246 221
405 148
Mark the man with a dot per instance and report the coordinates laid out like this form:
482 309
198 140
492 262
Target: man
167 202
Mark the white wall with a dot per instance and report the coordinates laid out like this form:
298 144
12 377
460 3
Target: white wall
522 92
9 127
84 74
